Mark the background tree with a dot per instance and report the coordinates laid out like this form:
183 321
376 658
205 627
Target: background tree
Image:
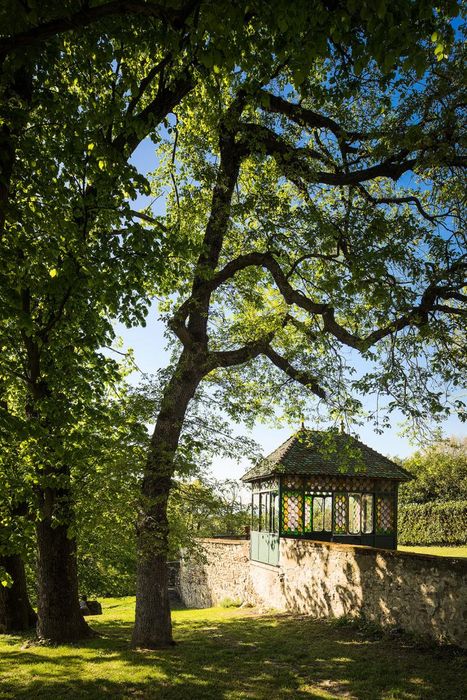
110 449
439 471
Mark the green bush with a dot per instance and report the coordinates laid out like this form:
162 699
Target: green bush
433 523
230 603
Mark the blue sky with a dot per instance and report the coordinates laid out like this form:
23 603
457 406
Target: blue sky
149 343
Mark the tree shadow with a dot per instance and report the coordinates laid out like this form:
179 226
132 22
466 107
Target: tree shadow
420 594
237 655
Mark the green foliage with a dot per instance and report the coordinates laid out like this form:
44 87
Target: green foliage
206 508
110 453
230 603
439 471
433 523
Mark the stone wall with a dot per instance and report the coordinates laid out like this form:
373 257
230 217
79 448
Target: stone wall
219 570
417 593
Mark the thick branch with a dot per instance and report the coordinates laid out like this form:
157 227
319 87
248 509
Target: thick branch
417 316
299 375
89 15
306 117
231 358
399 200
140 125
293 161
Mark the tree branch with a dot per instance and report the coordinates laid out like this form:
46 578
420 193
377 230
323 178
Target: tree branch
399 200
293 165
299 375
89 15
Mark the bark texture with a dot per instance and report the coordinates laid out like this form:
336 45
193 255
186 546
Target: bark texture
59 614
16 612
153 626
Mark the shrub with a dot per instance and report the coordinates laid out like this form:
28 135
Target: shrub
230 603
433 523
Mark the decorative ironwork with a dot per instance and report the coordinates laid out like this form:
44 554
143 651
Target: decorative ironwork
384 515
340 513
292 512
265 485
292 481
322 484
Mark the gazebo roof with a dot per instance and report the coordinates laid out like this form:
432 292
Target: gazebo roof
327 453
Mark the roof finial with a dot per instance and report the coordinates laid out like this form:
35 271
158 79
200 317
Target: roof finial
342 426
302 427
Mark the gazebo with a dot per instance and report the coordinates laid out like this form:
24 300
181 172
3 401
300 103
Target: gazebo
323 485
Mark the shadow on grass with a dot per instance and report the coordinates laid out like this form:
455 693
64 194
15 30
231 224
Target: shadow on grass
238 656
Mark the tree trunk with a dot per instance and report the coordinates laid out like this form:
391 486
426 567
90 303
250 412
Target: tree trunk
153 626
16 613
59 614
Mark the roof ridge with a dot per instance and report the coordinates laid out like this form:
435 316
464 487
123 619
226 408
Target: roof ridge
379 454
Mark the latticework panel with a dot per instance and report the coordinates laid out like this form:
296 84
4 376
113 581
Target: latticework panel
340 513
386 485
292 512
292 481
322 484
308 515
384 515
265 485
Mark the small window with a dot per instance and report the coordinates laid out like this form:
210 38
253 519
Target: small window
384 515
308 513
292 510
264 512
274 512
328 513
255 512
367 513
318 514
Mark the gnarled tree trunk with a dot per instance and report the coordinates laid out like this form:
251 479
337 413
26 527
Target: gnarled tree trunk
16 612
153 627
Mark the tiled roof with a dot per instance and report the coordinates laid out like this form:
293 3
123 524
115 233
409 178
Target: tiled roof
326 452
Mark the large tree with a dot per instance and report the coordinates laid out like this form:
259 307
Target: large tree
317 228
74 106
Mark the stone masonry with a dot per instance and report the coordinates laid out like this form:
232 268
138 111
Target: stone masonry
417 593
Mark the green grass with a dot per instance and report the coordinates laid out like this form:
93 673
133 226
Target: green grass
460 551
228 654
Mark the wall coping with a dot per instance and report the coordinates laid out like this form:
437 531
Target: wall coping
458 563
223 540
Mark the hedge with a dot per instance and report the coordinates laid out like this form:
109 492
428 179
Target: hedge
433 523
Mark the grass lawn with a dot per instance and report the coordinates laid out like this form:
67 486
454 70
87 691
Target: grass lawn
460 551
231 654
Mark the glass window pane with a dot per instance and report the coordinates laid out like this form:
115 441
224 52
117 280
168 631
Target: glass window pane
308 513
273 505
384 515
328 513
367 513
255 512
354 512
318 514
292 509
340 513
264 512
